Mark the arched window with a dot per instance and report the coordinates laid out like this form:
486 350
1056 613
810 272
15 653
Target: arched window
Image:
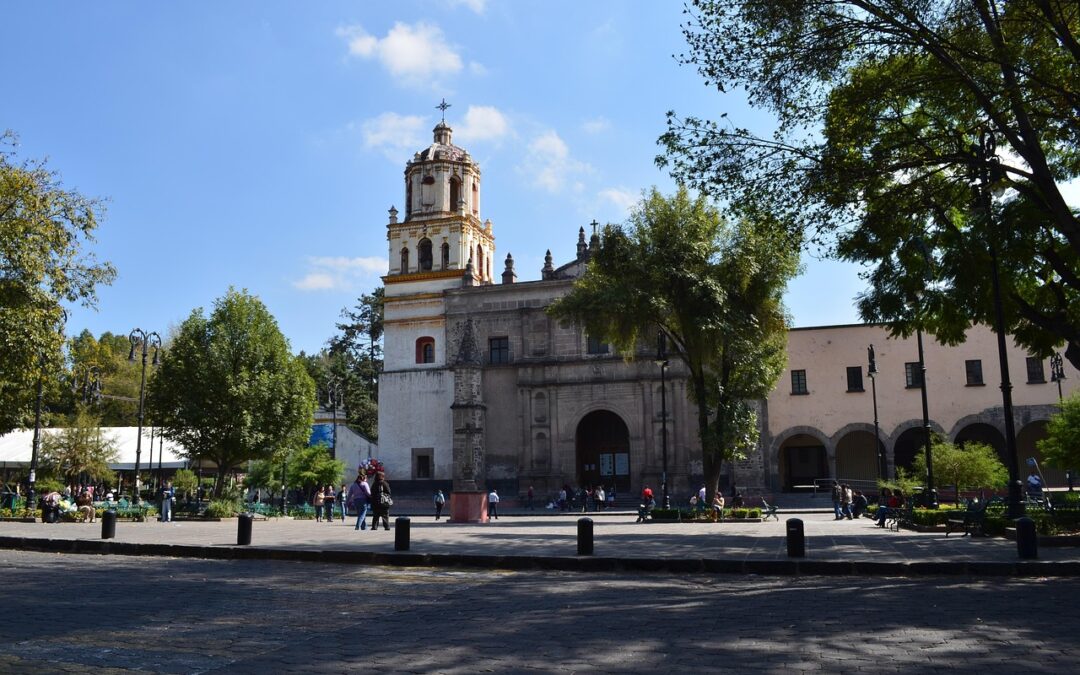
455 192
423 255
405 260
446 256
425 350
479 262
475 199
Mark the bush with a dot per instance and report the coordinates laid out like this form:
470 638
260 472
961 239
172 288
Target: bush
667 514
222 508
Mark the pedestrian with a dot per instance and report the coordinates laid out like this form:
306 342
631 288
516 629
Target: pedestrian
166 502
440 501
317 501
529 498
381 501
702 496
328 503
845 501
648 503
837 495
718 506
85 504
601 498
611 497
360 498
343 501
1034 485
858 504
493 503
562 498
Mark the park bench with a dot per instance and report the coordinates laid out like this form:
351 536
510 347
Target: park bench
897 517
972 518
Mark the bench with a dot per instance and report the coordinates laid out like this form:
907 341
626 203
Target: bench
972 518
895 517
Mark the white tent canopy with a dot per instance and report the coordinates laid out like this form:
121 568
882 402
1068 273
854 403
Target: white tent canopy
17 446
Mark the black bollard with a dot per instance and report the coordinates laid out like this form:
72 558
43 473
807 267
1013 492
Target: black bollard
402 526
108 524
1027 540
796 538
584 536
243 529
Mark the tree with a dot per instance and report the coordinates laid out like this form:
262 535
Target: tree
79 453
888 114
228 389
1061 447
714 289
971 465
105 359
312 466
185 482
45 230
354 359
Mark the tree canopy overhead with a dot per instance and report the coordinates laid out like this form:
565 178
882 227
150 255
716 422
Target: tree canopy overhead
714 289
44 233
229 390
882 107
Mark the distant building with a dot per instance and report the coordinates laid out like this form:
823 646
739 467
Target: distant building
481 388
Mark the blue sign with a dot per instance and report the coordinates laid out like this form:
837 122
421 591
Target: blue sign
322 433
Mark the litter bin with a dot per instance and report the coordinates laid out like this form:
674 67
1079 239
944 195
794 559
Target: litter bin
243 529
796 538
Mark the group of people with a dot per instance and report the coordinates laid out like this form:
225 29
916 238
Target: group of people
848 503
584 498
364 498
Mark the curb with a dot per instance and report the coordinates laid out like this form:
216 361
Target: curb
780 567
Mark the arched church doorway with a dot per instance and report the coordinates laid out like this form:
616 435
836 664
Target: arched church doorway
603 451
856 458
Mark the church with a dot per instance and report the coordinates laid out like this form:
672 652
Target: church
481 389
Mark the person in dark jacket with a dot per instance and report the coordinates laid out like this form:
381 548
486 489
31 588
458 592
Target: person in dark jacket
380 493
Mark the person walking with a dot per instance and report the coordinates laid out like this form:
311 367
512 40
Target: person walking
381 501
837 495
328 503
845 501
360 498
166 502
440 501
341 498
601 498
493 503
318 500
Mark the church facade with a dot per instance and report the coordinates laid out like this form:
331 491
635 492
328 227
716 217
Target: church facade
481 388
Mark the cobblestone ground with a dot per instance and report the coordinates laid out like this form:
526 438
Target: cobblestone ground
105 614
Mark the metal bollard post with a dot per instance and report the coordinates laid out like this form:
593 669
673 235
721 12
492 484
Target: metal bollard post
108 524
243 529
796 538
402 526
1027 540
584 536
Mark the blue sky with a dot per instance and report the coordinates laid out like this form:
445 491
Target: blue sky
260 144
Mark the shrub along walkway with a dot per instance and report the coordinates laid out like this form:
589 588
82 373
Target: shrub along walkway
550 541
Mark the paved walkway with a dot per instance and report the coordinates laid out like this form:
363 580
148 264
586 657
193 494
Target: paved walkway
833 547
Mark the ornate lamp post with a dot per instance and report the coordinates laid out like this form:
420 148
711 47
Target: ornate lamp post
871 372
931 491
1057 373
986 168
145 342
662 361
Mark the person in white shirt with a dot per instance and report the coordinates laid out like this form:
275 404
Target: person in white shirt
493 504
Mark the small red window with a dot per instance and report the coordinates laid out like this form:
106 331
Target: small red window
425 350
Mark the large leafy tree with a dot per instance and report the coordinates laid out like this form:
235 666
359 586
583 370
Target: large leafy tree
104 361
354 361
970 465
80 452
44 233
888 114
229 390
312 467
714 288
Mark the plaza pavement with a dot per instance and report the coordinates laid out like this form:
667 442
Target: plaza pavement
548 541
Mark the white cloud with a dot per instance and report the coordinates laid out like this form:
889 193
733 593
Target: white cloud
623 199
416 54
482 123
338 273
550 163
398 136
477 6
596 125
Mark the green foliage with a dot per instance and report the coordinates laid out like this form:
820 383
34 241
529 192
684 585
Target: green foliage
45 231
906 481
971 465
80 452
104 359
228 388
879 108
46 484
223 508
312 467
713 288
1061 447
264 474
185 482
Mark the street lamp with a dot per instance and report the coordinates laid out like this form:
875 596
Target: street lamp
145 342
986 156
931 491
662 361
871 371
36 446
333 395
88 386
1057 373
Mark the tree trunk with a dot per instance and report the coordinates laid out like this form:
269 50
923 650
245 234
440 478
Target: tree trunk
712 473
